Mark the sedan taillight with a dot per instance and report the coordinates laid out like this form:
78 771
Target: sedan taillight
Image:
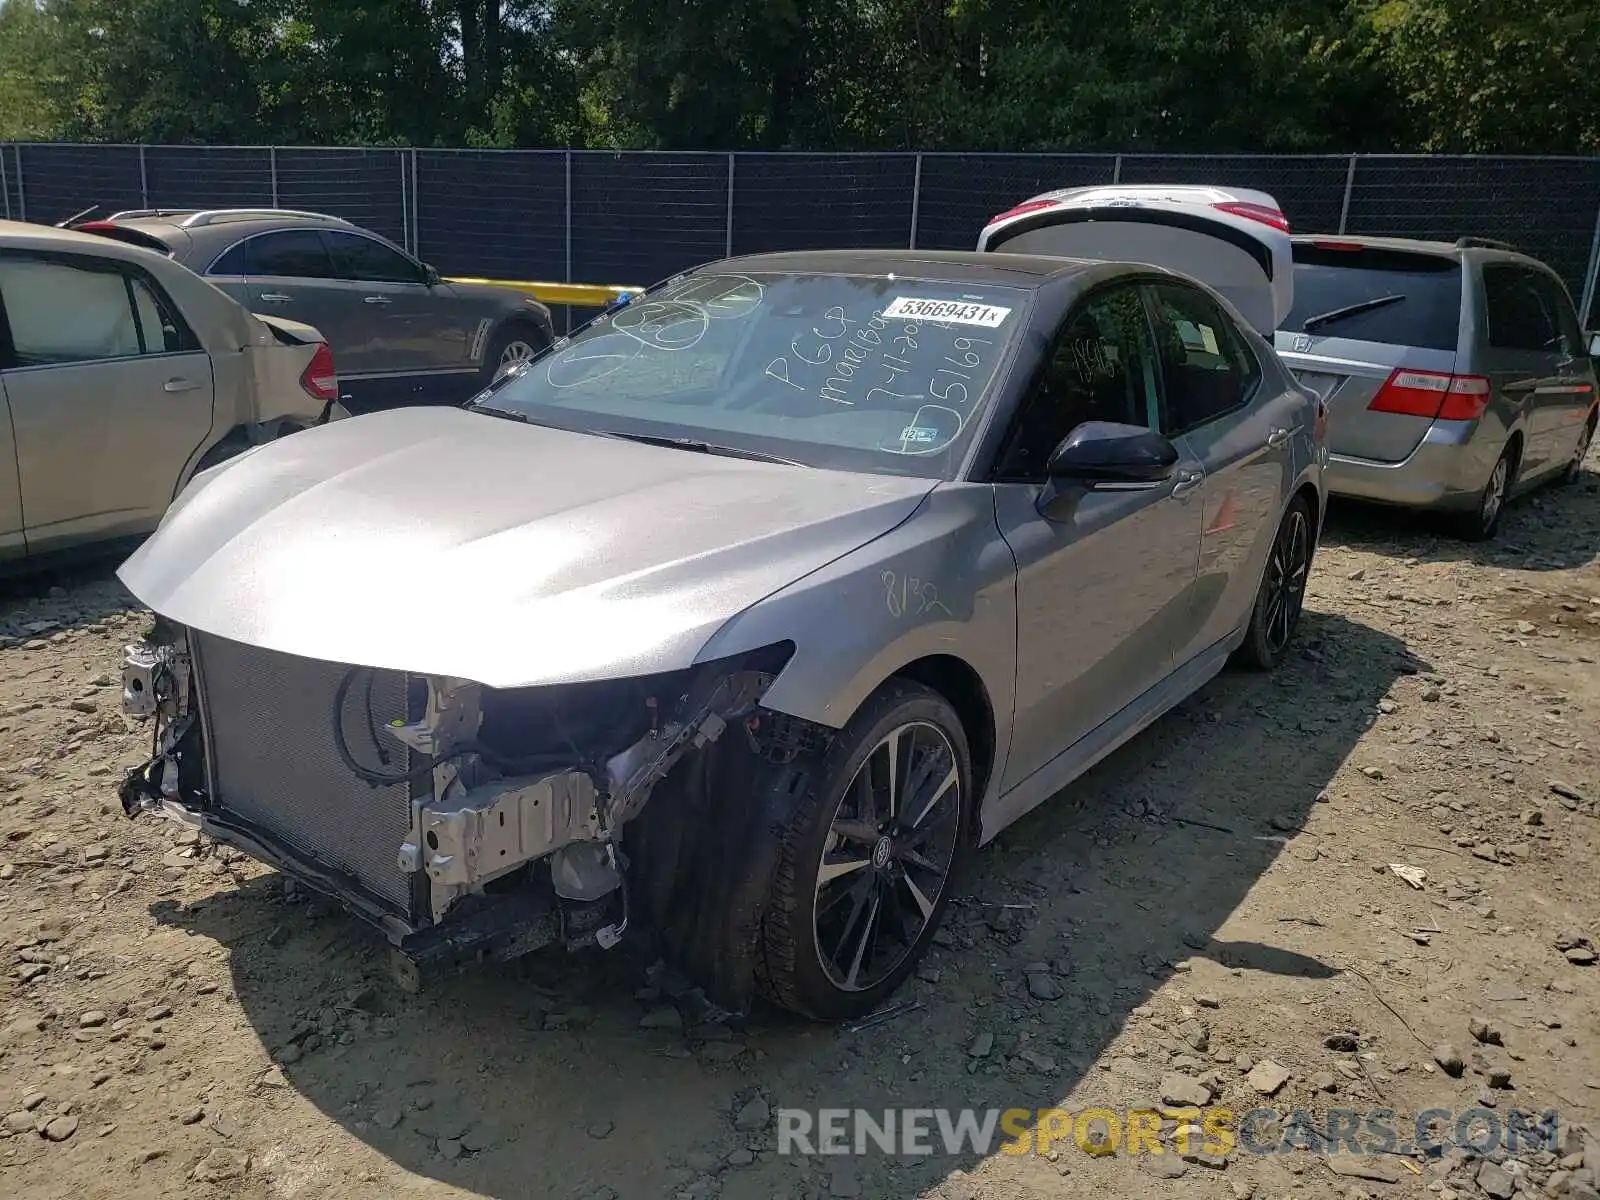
319 378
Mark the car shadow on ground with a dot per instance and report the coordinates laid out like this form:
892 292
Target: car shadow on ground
72 593
1551 529
536 1078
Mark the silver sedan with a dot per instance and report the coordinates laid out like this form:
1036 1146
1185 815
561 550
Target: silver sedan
743 614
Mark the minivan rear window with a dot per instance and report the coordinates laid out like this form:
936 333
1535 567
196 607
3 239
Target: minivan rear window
1415 299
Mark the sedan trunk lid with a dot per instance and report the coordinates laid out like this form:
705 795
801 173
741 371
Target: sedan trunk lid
1233 240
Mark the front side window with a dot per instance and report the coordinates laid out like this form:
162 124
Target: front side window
1101 368
1518 316
1559 305
369 261
1206 367
62 313
868 373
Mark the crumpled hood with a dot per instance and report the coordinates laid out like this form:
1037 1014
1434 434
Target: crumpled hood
446 542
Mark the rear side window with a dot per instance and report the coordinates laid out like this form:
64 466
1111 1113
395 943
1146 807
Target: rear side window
296 253
231 262
1377 295
1521 309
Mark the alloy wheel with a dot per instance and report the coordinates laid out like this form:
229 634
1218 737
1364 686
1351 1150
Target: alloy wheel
515 354
1287 573
1494 493
887 856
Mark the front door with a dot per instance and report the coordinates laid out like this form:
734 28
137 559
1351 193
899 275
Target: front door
1243 436
1102 590
110 396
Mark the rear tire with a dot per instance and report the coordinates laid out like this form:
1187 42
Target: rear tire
1575 468
1483 522
1282 594
865 864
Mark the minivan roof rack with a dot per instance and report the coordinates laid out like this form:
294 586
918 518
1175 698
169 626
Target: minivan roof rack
1483 243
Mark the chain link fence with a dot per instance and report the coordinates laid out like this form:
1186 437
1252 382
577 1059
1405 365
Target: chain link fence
634 217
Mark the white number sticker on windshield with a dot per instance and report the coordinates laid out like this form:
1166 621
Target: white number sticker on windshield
957 312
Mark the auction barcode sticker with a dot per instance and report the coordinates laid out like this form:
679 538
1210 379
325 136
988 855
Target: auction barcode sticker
960 312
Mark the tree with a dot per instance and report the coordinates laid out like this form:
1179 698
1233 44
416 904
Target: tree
26 112
1490 75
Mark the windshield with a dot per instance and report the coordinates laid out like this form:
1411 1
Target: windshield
862 373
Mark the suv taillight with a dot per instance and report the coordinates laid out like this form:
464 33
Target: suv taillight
1434 395
319 378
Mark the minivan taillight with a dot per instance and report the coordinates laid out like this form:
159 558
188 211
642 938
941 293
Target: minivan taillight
319 378
1434 395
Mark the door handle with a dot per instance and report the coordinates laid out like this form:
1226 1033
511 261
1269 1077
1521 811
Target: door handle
1187 482
179 385
1280 437
376 300
276 297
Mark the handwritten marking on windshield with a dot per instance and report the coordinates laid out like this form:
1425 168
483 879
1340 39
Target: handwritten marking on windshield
676 318
910 596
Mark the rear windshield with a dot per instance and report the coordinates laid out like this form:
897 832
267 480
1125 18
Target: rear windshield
1415 299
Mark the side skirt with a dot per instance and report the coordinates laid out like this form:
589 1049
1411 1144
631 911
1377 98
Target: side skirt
1110 734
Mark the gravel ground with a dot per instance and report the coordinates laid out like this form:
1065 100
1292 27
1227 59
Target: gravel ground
1209 916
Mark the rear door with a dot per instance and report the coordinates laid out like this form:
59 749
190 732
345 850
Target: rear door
289 274
1242 434
109 391
1526 358
1360 314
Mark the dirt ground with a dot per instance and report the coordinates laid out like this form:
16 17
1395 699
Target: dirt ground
1214 900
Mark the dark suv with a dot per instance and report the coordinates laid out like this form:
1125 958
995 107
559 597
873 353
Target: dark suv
1456 374
399 333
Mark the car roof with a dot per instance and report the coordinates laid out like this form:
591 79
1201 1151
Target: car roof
954 266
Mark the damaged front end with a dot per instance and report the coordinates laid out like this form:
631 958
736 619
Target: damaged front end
466 822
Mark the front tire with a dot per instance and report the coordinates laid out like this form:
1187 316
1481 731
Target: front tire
865 864
512 346
1575 467
1282 594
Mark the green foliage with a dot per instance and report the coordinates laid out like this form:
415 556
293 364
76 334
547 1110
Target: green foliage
1298 75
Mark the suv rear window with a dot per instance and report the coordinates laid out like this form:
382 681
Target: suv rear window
1425 311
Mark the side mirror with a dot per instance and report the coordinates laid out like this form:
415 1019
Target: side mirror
1594 344
430 275
1105 453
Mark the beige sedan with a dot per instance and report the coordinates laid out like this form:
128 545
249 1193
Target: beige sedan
122 374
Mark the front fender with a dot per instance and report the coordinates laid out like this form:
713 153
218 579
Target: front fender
943 582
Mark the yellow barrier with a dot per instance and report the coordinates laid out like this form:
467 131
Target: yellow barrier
587 295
